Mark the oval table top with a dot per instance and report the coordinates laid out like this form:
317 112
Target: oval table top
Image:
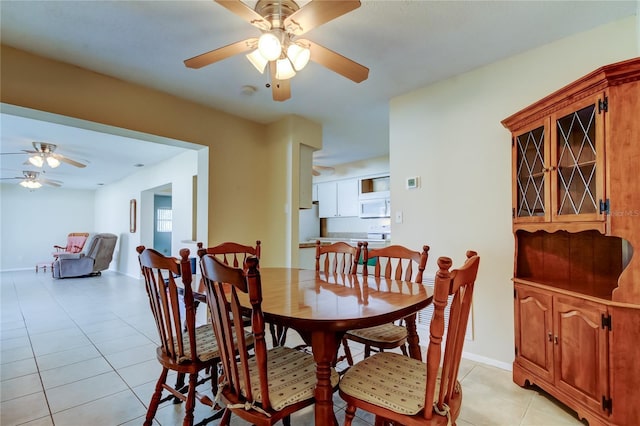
309 300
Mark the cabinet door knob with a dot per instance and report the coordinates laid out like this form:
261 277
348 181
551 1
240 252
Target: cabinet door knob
555 340
550 337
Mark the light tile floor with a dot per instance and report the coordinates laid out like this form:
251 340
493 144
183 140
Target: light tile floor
81 351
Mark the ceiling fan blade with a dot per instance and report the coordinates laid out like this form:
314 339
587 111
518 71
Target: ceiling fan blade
337 63
280 89
246 13
68 160
55 183
316 13
221 53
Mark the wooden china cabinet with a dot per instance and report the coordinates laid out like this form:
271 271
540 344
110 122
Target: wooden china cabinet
576 222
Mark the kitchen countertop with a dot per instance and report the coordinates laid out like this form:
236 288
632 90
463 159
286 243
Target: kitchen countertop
312 244
326 241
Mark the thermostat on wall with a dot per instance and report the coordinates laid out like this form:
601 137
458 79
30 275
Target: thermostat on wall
413 182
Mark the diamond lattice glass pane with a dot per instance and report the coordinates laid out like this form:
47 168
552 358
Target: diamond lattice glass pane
577 162
530 173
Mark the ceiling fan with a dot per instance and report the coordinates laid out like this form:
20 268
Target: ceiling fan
281 23
43 153
32 180
321 170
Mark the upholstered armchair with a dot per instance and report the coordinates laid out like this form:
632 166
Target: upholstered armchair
75 243
94 257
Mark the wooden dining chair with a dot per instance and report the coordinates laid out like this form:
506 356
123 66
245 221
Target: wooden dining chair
395 262
232 253
235 254
184 348
400 390
338 258
268 385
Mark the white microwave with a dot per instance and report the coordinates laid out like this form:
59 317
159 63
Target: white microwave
377 207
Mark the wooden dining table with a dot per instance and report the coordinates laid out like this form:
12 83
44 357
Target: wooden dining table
322 307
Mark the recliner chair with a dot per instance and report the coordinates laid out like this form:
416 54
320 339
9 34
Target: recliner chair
94 257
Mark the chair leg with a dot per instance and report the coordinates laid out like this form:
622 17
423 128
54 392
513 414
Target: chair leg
191 400
214 384
178 387
350 413
282 335
286 421
226 417
403 348
155 399
367 351
274 334
347 351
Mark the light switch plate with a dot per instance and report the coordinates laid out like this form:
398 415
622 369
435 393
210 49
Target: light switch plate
399 216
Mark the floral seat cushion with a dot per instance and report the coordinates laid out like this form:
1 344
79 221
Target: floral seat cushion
389 380
385 333
291 375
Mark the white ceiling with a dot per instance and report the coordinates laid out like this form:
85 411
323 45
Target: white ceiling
405 44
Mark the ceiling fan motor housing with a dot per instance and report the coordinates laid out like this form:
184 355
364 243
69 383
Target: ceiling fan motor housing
276 11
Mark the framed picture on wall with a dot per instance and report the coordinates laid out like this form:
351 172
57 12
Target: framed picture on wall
132 216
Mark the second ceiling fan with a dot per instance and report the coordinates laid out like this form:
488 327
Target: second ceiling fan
281 23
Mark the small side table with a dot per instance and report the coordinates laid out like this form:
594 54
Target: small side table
43 266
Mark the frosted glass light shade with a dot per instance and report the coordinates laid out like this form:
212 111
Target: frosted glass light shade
53 162
284 70
36 160
257 60
269 46
298 55
31 184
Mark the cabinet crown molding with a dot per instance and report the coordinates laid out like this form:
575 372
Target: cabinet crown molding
594 82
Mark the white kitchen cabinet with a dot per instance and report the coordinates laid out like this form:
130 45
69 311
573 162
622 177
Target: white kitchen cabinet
338 198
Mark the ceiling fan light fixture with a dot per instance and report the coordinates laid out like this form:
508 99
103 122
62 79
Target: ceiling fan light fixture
257 60
53 162
284 69
269 46
36 160
298 55
31 184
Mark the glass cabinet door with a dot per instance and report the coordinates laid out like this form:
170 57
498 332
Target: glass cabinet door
530 157
578 180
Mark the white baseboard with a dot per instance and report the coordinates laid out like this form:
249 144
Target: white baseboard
32 268
489 361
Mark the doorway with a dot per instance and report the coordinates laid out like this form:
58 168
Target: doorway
162 223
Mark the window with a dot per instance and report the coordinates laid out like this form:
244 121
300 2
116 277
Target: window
164 220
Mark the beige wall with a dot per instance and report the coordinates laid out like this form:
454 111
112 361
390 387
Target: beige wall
285 137
238 191
450 135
